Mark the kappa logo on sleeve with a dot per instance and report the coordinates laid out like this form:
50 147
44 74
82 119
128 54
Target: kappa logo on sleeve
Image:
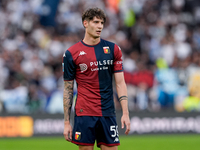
106 50
78 135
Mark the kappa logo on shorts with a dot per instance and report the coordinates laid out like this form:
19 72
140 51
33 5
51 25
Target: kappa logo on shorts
116 139
78 135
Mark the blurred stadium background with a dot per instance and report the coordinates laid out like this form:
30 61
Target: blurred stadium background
160 42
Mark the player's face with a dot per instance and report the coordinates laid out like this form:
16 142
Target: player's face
94 27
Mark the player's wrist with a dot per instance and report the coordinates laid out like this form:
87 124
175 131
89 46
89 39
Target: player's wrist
67 122
125 113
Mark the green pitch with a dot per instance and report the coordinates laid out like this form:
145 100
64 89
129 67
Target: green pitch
136 142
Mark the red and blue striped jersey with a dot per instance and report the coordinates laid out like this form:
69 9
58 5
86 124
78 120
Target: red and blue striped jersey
92 67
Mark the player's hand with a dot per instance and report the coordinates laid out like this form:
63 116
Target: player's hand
67 131
125 121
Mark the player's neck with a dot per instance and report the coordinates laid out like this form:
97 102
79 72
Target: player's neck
91 41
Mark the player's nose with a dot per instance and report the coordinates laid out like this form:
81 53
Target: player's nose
100 26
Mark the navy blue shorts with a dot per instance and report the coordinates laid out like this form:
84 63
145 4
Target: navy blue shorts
87 129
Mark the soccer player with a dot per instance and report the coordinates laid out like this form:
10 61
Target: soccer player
92 63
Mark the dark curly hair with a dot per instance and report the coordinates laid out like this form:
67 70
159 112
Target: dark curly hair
90 13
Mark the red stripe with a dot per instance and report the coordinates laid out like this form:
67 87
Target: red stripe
86 144
88 99
114 144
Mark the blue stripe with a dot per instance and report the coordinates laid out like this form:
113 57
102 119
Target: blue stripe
105 77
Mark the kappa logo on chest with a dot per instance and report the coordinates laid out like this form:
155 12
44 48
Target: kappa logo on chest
82 53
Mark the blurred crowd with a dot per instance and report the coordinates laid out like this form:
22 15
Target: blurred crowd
160 41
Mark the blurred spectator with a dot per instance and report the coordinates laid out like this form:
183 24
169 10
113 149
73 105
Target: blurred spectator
191 104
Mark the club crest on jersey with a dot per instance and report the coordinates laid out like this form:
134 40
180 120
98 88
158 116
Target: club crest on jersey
78 135
83 67
106 50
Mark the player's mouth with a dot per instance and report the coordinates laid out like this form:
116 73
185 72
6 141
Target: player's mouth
98 32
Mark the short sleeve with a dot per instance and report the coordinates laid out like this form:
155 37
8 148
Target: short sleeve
118 63
69 68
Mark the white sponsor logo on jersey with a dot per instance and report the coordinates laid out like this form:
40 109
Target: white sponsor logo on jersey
100 63
83 67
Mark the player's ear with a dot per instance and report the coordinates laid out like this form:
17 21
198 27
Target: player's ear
85 23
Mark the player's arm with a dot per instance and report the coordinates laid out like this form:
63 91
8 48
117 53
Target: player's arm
123 98
67 104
